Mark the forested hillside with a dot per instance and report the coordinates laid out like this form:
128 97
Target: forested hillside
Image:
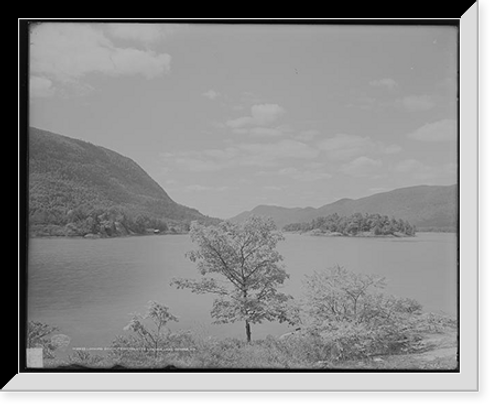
77 188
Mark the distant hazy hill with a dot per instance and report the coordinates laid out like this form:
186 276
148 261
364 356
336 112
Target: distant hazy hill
427 207
76 187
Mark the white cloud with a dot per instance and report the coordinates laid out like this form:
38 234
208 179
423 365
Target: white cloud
40 87
441 131
261 114
268 153
288 171
66 52
418 103
386 82
343 147
243 155
362 167
140 62
221 188
240 131
310 176
267 112
450 168
264 131
411 103
223 154
363 102
146 33
212 94
203 188
238 123
420 171
307 135
314 165
410 165
273 188
304 175
251 98
301 161
390 149
194 163
196 188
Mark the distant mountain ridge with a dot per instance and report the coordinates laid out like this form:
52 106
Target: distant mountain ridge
427 207
76 187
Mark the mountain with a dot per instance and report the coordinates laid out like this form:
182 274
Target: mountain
281 216
77 188
427 207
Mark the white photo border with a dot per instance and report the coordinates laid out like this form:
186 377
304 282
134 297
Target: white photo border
465 380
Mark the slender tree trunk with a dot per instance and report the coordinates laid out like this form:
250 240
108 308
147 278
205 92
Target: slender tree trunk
248 331
247 324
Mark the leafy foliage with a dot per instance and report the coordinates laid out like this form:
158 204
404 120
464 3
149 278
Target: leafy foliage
147 328
350 314
340 295
330 336
173 349
245 256
38 335
86 359
355 224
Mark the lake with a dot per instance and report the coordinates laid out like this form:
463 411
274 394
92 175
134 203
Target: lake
90 288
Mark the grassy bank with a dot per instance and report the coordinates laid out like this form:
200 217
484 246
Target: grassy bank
432 346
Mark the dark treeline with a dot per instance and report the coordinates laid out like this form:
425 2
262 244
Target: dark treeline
77 188
99 221
355 224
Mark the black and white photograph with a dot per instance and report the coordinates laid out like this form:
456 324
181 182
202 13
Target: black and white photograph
245 196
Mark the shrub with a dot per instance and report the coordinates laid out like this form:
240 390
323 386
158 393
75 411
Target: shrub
86 359
350 317
150 343
147 329
38 336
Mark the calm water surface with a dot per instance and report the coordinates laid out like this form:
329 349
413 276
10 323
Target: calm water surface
90 288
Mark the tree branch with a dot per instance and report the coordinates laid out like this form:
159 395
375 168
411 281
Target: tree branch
229 272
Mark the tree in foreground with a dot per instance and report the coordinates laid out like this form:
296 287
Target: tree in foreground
248 264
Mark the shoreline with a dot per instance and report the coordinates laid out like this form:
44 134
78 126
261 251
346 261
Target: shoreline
438 351
339 235
307 233
95 236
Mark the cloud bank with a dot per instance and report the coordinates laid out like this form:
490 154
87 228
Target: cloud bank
64 53
261 114
385 83
441 131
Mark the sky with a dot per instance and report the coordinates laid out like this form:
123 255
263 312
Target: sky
226 117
